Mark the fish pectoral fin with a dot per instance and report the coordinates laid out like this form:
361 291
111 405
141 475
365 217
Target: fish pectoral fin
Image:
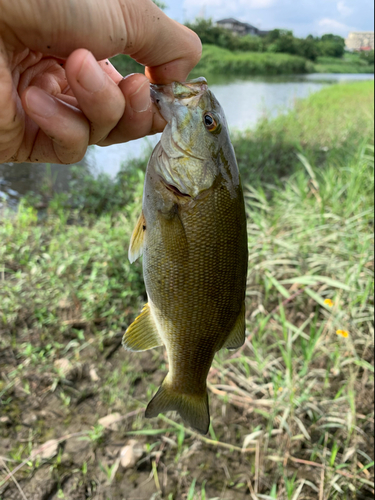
237 336
193 408
137 239
142 334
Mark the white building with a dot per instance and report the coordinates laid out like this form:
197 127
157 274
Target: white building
360 40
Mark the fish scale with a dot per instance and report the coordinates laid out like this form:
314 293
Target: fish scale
194 253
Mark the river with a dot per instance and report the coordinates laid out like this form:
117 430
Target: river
245 101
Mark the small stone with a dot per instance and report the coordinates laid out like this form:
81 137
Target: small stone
111 421
47 450
63 365
29 420
130 454
94 376
4 420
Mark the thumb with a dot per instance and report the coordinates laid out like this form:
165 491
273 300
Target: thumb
168 49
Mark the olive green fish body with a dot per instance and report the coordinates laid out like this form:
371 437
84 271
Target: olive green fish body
195 265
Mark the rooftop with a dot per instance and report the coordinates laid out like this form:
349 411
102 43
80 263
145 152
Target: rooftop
235 21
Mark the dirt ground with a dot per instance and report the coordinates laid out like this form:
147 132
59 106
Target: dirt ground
103 379
36 416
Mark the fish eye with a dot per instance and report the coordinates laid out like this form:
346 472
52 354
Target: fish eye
210 122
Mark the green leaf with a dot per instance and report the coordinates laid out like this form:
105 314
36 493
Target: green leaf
284 292
192 490
150 432
314 280
315 296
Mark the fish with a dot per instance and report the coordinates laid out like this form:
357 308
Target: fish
193 237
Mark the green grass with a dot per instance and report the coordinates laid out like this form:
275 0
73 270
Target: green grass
216 60
298 397
326 127
350 63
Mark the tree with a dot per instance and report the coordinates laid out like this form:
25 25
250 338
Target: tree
307 48
214 35
282 41
161 5
331 45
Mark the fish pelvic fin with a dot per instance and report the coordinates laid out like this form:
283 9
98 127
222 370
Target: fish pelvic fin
137 239
142 335
193 408
237 336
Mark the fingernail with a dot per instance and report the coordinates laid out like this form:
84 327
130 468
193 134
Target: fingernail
140 101
41 103
91 75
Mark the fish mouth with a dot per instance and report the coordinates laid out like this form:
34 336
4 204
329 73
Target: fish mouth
164 95
173 189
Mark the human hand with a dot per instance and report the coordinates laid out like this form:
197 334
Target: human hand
56 99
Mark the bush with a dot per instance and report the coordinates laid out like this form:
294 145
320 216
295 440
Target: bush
216 60
367 56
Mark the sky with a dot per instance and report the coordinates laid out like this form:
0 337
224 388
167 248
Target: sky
303 17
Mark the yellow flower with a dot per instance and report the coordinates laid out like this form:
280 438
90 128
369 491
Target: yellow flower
343 333
329 303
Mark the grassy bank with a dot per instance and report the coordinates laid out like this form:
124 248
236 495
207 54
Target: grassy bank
219 61
350 63
292 412
216 60
329 125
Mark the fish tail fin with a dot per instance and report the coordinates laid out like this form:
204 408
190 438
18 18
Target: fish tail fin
193 408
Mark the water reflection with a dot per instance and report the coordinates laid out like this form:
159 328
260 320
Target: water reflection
245 102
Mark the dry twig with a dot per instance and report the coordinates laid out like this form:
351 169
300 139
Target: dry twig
14 480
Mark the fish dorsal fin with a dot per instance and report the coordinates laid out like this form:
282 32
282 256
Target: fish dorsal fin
237 336
142 335
136 242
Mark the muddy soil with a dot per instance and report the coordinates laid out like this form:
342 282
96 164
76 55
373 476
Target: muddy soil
64 399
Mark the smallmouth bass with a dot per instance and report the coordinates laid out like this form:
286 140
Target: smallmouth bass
192 234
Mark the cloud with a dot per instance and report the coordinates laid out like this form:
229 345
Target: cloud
344 10
327 25
257 4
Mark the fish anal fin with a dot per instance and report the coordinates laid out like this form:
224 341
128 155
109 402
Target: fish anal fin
142 334
137 239
193 408
237 336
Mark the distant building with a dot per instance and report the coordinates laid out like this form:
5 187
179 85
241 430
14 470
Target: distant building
360 40
239 28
